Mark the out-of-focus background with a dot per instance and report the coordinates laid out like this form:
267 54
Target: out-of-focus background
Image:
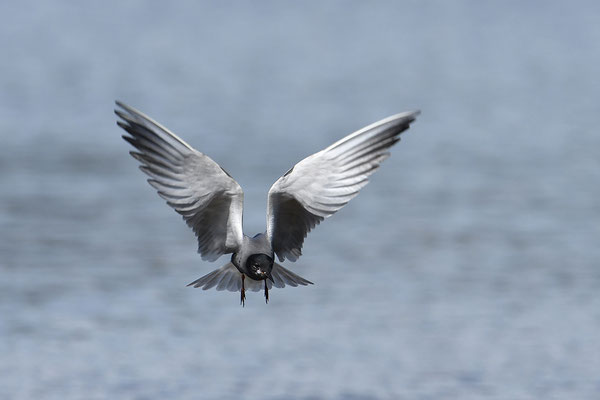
468 268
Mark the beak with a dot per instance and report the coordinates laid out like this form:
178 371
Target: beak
270 277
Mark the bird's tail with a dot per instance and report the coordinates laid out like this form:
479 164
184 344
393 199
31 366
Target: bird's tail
229 278
282 277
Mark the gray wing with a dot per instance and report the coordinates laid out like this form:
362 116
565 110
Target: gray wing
210 201
324 182
229 278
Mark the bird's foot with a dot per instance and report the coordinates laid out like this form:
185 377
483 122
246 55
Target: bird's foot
266 293
243 296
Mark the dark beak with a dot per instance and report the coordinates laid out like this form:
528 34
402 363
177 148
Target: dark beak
270 277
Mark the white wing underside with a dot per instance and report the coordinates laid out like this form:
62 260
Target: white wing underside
324 182
229 278
210 201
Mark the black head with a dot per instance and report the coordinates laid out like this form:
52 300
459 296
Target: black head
259 266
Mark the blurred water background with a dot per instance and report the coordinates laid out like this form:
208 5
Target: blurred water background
468 268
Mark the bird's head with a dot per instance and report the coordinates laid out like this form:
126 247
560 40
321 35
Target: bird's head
259 266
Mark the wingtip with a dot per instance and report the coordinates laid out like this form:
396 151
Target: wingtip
123 113
404 117
410 114
414 114
128 109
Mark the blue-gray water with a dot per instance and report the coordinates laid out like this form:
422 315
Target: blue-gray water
469 268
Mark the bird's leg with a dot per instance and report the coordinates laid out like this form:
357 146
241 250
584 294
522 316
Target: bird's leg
266 293
243 299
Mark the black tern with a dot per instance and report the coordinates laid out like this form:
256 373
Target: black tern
211 201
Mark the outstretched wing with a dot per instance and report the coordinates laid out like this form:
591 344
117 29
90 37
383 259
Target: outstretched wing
324 182
210 201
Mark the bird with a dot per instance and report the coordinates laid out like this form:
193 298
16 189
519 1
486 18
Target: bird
211 201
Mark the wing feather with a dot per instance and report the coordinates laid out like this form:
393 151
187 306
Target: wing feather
210 201
324 182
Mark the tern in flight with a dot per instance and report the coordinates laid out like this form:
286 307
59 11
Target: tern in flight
211 201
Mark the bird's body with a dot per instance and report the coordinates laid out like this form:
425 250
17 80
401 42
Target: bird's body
211 201
258 244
